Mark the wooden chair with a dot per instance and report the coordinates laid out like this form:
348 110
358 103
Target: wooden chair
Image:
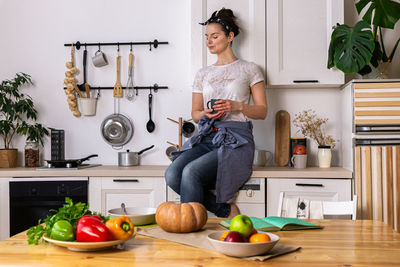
335 208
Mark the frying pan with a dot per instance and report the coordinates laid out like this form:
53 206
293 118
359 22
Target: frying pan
116 130
72 162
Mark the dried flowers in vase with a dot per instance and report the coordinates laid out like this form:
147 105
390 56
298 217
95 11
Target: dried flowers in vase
312 126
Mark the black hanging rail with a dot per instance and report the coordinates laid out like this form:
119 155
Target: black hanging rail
155 87
155 44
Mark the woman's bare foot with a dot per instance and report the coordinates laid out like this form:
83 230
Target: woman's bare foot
234 211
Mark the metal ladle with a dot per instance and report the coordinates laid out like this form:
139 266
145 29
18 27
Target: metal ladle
123 208
150 124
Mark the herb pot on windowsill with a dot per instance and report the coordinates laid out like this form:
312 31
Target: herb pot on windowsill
324 156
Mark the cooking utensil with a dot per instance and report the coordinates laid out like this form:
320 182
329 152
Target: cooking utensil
117 130
117 86
71 163
123 208
87 89
150 124
82 86
282 137
131 158
130 94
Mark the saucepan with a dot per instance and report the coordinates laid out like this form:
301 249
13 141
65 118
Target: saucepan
128 158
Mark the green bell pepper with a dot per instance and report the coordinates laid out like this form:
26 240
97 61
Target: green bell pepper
62 230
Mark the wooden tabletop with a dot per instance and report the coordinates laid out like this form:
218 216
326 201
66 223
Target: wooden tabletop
340 243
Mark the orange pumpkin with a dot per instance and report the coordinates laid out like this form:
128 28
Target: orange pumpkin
181 217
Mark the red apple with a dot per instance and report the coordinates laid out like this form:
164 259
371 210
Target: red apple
299 150
234 237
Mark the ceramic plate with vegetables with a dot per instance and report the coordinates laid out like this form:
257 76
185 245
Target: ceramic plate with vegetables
76 227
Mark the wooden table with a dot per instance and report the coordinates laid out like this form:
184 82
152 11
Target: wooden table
340 243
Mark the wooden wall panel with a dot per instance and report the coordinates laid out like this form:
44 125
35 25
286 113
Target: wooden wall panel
397 192
377 186
357 177
368 182
389 185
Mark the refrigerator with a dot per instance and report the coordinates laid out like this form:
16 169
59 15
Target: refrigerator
371 147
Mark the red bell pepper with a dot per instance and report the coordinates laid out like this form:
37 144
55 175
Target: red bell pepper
90 228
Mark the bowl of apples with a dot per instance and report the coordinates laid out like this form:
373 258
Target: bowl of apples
242 240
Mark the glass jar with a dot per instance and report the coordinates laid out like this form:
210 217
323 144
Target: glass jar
32 154
324 156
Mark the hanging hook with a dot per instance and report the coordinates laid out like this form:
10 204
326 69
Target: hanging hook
118 48
99 47
150 45
131 47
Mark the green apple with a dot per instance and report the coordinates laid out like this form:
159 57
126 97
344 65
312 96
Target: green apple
242 224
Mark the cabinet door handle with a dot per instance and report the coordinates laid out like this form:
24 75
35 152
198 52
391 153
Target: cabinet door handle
126 180
305 81
315 185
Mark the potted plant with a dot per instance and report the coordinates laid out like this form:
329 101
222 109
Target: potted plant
16 110
356 49
311 126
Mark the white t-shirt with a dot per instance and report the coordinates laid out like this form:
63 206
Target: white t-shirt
231 81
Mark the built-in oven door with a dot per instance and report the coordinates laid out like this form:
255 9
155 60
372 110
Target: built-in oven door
32 199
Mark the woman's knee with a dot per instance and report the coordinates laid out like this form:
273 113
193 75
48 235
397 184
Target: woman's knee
172 177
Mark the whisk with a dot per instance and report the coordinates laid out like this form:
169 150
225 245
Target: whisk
129 86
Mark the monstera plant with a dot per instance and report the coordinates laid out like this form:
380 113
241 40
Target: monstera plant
355 49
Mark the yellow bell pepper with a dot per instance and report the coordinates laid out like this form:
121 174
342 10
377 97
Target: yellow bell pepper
120 227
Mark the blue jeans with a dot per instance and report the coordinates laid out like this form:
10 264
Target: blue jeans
193 175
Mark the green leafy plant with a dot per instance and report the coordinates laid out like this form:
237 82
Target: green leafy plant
70 212
16 110
354 49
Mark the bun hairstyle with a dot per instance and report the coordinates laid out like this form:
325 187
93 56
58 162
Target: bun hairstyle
226 19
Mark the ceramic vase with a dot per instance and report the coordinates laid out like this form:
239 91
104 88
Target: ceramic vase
324 156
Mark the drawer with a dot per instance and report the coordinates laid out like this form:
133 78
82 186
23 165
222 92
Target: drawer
312 189
130 182
252 192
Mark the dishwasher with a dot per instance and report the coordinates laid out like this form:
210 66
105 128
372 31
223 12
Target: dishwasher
31 199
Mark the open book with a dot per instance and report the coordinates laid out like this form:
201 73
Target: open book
273 223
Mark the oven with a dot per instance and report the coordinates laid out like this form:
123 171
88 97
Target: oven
32 199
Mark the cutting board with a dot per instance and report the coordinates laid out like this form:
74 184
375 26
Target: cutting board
282 137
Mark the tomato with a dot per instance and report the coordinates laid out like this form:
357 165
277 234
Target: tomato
299 150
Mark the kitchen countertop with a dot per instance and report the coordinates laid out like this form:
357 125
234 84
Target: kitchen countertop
340 243
158 171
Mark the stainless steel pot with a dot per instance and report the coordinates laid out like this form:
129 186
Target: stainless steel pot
126 159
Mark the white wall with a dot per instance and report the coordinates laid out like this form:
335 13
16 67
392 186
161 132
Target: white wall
33 36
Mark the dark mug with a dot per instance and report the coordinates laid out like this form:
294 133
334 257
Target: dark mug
212 102
187 129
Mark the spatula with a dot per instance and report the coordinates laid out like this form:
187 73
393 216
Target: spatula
118 86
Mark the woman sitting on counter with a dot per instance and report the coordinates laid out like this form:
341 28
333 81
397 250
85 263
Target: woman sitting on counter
220 155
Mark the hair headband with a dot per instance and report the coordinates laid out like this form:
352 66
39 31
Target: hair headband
214 19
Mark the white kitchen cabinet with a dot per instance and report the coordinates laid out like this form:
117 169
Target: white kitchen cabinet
107 193
298 36
4 209
311 189
250 199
